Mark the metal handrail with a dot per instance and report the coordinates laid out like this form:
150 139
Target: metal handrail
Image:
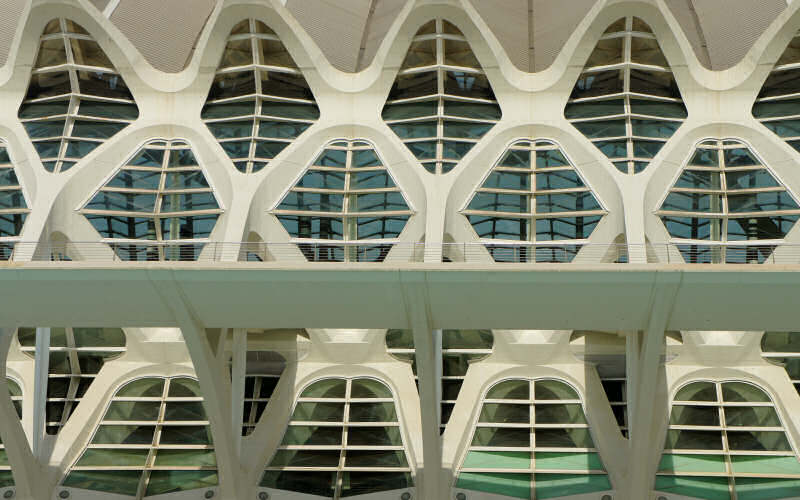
393 251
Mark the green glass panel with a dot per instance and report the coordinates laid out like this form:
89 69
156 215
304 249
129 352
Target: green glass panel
409 110
374 436
707 488
124 434
568 461
595 109
519 158
758 488
328 388
693 440
184 388
510 389
692 463
6 479
505 413
375 458
780 342
3 457
314 483
306 458
372 412
184 411
467 339
753 416
185 434
400 339
113 457
369 388
318 412
501 437
364 483
697 391
511 485
133 410
694 415
758 441
312 435
168 481
561 485
498 460
564 438
144 388
602 128
760 464
553 390
186 458
734 392
560 414
120 482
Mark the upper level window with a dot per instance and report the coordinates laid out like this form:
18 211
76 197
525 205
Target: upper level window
76 357
532 440
6 476
76 99
726 442
13 207
535 202
783 348
441 103
259 101
344 439
346 206
154 439
626 100
778 103
161 194
727 206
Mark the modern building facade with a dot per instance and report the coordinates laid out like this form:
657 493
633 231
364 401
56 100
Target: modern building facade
399 249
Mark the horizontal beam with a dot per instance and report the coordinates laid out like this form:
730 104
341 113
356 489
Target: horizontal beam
513 296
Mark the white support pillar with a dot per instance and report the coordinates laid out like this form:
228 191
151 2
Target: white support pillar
215 386
633 197
643 426
41 367
28 473
429 359
238 369
633 343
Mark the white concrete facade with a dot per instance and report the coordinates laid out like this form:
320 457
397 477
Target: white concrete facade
658 326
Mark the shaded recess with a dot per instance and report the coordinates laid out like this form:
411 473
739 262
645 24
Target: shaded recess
783 348
158 206
727 206
346 206
13 207
460 348
76 357
534 206
154 439
778 102
344 439
532 440
441 103
726 441
6 476
76 99
626 100
263 371
259 102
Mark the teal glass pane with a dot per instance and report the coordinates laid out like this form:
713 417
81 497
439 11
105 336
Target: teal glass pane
186 458
120 482
758 441
500 202
692 463
784 128
365 158
698 179
613 149
560 485
124 434
169 481
564 179
499 227
371 180
327 388
96 130
318 412
375 458
566 202
145 387
364 483
455 150
551 158
184 411
694 415
568 461
378 202
306 458
510 485
505 413
108 110
693 440
187 202
186 180
756 488
707 488
148 158
497 460
40 130
509 180
409 110
332 158
764 464
380 227
312 435
129 202
560 414
321 484
374 436
564 438
312 202
757 202
133 411
692 202
654 128
603 128
510 389
415 130
137 179
595 109
372 412
119 457
281 130
658 108
79 149
519 158
476 111
750 179
8 178
461 130
290 110
751 416
312 227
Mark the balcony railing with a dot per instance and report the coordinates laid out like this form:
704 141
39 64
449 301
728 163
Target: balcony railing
398 252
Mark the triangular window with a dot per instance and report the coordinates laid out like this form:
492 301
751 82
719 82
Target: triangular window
76 99
260 101
727 206
441 103
626 100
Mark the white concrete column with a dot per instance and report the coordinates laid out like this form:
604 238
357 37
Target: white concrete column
238 368
633 344
643 452
633 199
42 367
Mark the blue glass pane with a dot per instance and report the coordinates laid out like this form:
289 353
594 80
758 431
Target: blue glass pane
266 149
705 158
324 228
281 130
455 150
750 179
108 110
227 130
40 110
693 228
603 128
134 202
312 202
110 226
237 149
466 130
698 179
497 202
415 130
96 130
613 149
595 109
8 177
550 158
370 180
520 158
38 130
380 227
564 179
508 180
47 149
756 202
181 158
499 227
11 199
332 158
423 150
760 228
654 128
11 224
365 158
148 158
185 180
739 157
566 202
79 149
646 149
188 202
784 128
693 202
322 180
565 228
185 228
139 179
377 202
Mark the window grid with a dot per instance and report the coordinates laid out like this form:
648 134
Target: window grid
698 211
458 352
76 357
161 470
13 207
778 102
441 120
531 459
628 120
783 348
263 371
535 200
614 386
6 477
253 117
688 463
399 473
345 228
169 209
76 99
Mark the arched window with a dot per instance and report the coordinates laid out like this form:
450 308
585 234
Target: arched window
441 103
727 206
536 202
161 194
154 439
260 101
346 206
76 99
726 441
344 439
76 357
626 100
532 440
460 348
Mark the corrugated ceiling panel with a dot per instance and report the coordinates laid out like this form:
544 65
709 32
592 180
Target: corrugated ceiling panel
9 22
684 12
553 24
508 20
386 11
100 4
164 31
